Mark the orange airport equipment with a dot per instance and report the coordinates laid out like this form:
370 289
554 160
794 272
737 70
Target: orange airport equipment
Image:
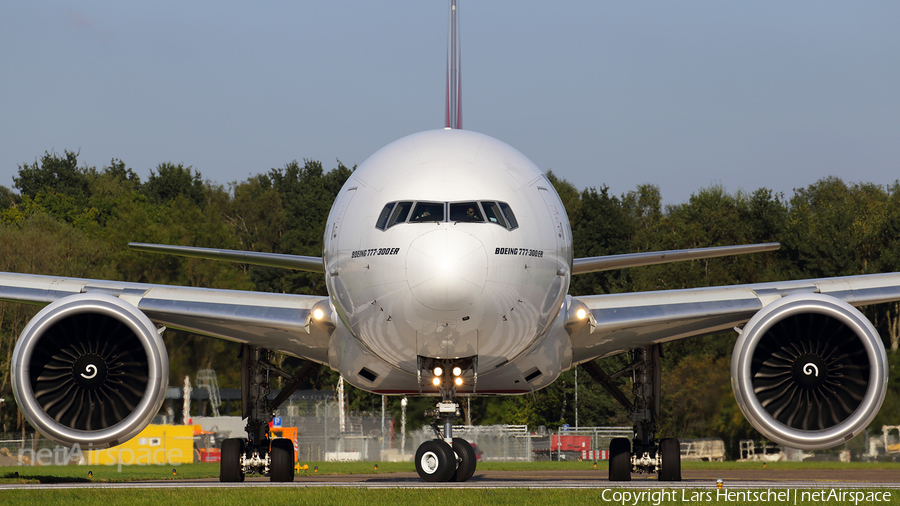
286 433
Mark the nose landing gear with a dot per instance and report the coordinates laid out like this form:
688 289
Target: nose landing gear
445 458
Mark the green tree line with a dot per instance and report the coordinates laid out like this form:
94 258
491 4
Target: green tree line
72 220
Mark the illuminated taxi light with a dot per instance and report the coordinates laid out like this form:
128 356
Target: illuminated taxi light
436 381
438 371
318 314
458 381
581 313
457 371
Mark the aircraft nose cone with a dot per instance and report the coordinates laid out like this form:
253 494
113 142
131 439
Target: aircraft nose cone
446 269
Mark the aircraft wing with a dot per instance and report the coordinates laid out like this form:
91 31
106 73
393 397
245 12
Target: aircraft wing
609 262
296 262
278 322
621 322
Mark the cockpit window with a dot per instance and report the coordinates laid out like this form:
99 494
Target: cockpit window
381 224
510 217
484 211
466 212
493 213
400 213
428 212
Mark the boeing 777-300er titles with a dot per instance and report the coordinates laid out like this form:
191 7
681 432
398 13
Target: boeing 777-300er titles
448 257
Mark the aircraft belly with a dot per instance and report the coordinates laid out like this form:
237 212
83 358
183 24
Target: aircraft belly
537 368
366 370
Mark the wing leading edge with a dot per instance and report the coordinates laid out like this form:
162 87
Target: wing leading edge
278 322
621 322
296 262
609 262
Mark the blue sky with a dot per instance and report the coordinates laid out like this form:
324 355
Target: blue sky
678 94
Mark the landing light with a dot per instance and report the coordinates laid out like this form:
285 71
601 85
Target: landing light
436 381
457 371
318 314
438 371
458 381
581 313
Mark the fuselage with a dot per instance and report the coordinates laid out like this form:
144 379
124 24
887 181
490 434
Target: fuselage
448 245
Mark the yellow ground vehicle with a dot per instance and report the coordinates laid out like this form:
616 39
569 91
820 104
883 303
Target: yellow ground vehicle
156 444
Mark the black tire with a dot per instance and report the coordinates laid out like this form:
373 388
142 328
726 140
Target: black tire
620 459
670 453
281 455
435 461
230 461
465 456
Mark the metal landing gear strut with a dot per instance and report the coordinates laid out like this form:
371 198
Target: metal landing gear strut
645 453
445 458
260 454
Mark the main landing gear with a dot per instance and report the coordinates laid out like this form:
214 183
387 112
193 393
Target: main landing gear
645 453
445 458
260 454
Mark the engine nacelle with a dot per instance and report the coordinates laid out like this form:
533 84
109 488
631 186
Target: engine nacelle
809 371
90 369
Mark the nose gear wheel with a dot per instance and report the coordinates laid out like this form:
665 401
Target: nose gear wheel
435 461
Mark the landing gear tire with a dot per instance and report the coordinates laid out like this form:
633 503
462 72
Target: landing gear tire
435 461
670 451
281 456
620 459
230 464
465 454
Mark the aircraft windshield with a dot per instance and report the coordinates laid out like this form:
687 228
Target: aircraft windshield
466 211
428 212
510 217
498 213
381 224
400 213
493 214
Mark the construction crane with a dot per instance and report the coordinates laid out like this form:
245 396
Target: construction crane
206 378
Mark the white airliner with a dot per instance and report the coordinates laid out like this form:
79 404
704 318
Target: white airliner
448 257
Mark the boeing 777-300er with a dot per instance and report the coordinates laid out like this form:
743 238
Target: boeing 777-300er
447 258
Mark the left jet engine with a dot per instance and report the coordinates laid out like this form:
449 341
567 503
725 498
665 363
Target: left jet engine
90 369
809 371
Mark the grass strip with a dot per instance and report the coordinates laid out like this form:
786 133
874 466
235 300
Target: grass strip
457 497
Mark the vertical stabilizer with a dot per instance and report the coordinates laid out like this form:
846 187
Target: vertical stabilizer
454 104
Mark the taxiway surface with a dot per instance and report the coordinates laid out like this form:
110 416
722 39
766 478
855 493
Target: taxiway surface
582 479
